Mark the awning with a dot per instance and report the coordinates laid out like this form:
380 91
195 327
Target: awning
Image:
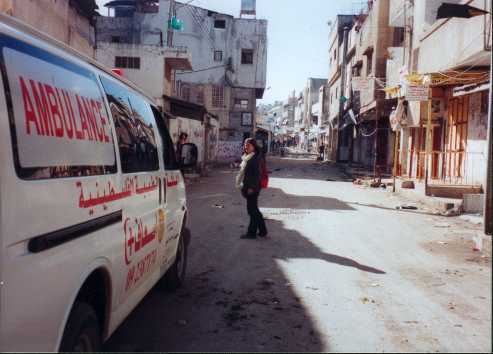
185 109
468 89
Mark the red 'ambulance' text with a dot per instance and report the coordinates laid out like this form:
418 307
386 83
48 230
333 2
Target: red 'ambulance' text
57 112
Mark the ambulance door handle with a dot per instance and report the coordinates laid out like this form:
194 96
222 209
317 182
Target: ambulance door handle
160 191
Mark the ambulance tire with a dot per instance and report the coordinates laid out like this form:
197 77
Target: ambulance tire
175 276
82 332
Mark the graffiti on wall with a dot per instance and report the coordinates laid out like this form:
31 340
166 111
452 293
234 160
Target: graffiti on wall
229 150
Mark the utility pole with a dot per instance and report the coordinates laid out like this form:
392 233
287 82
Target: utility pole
169 37
488 209
343 88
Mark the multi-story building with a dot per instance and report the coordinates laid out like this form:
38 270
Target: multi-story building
312 110
373 145
443 137
341 25
228 56
69 21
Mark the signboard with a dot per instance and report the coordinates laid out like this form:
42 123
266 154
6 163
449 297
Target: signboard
360 83
417 92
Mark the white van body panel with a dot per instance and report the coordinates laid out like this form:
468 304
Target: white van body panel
39 282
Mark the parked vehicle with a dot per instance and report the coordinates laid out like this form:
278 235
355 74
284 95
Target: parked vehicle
92 203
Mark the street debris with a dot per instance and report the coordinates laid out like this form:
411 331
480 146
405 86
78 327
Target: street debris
442 243
478 242
441 224
375 285
311 288
220 206
406 207
411 322
451 212
407 184
182 322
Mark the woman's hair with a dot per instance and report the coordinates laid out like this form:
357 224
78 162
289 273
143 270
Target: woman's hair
253 142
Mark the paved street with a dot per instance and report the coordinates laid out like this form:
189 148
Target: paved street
341 270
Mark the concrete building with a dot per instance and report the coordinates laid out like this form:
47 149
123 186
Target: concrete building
341 24
312 111
69 21
228 56
372 146
443 137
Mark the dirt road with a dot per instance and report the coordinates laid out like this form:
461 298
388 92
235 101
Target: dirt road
341 270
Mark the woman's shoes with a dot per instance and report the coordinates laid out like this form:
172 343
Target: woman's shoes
248 236
263 234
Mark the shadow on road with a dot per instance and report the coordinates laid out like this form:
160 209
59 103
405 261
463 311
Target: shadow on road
237 296
277 198
306 169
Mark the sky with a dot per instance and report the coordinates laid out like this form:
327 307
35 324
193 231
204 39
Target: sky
297 38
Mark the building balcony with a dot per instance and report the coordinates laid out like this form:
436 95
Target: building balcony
467 42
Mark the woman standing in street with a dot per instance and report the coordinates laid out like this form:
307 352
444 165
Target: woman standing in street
248 181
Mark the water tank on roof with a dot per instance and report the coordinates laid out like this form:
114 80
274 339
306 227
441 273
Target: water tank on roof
122 8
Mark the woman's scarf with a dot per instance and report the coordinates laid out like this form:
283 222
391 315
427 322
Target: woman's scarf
239 178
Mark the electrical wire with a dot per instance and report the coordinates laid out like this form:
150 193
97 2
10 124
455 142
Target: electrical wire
204 69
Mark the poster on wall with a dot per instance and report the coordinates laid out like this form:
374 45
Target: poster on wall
246 119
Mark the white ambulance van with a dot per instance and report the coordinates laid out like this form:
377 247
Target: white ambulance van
92 203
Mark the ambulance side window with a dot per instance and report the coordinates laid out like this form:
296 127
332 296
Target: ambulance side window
134 124
169 155
58 120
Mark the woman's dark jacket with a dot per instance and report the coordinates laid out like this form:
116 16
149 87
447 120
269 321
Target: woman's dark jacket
251 179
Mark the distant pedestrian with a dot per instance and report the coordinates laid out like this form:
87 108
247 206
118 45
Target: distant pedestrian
321 151
182 140
248 181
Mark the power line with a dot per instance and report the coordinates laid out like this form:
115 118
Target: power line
204 69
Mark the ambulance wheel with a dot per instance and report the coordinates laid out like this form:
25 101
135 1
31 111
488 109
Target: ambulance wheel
82 332
175 276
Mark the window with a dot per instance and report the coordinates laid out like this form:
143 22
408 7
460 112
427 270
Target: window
169 155
200 97
241 103
127 62
218 96
48 141
185 93
115 39
246 119
247 56
134 124
218 55
357 71
220 24
369 63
